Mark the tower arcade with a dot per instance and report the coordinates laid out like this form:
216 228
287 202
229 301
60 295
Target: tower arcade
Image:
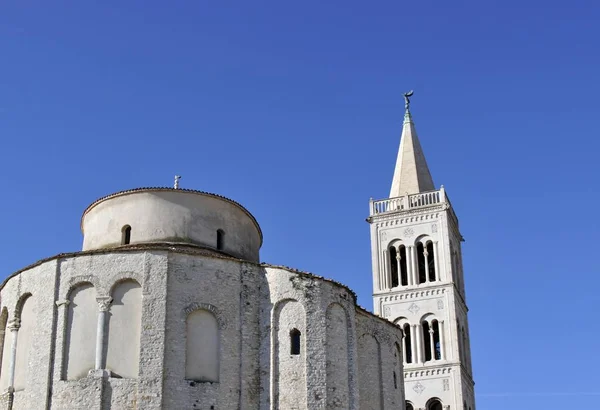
418 281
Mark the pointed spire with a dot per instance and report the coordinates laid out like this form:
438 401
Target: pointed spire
411 175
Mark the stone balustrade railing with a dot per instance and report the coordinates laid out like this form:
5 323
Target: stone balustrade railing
407 202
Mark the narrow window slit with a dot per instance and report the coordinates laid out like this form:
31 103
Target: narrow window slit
295 342
220 239
126 235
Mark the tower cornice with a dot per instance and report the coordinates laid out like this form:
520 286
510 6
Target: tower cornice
409 205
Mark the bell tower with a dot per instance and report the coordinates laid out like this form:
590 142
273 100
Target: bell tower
418 281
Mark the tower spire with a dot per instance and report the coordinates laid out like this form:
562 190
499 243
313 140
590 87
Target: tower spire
411 174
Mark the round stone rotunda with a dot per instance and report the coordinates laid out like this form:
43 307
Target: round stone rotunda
168 307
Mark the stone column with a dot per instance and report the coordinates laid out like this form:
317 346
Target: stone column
14 327
413 256
380 270
431 342
419 349
436 257
404 340
398 268
409 270
386 269
103 307
414 342
442 340
425 254
61 323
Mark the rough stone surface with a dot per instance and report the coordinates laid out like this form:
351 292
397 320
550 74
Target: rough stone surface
256 307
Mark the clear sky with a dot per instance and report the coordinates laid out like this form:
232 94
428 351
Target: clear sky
294 109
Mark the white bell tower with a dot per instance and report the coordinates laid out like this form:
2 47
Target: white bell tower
418 281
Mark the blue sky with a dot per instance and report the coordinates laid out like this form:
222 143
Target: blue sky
294 109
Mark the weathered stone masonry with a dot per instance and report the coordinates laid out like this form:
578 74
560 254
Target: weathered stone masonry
168 321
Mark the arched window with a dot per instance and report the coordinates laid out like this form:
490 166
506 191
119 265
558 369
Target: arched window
431 339
409 406
421 263
220 239
295 342
398 266
80 344
436 340
431 261
434 405
126 235
407 344
426 340
124 330
202 350
394 265
27 314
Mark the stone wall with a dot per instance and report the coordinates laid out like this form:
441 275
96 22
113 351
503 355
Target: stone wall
172 215
134 308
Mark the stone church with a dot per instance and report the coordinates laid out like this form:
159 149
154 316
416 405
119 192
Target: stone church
168 306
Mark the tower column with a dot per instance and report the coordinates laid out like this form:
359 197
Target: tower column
398 267
381 271
408 265
385 269
425 254
415 274
442 340
415 344
421 343
436 257
404 341
431 342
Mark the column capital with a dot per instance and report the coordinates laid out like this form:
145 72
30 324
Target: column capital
14 325
64 302
104 303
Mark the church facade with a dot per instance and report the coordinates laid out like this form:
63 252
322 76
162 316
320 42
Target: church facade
168 307
418 281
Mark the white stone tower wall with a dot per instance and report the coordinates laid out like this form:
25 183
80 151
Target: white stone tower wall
414 233
443 300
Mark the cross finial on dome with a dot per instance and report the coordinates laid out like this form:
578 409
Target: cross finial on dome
177 178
